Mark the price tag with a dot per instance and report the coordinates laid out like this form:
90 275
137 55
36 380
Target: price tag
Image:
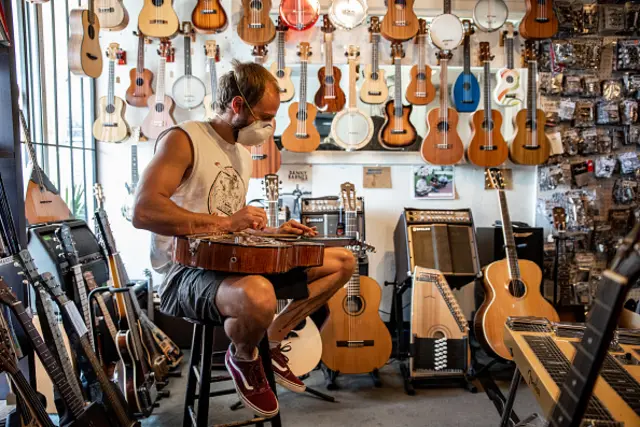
555 139
76 319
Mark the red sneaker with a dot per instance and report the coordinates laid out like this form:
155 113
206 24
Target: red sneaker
251 384
283 374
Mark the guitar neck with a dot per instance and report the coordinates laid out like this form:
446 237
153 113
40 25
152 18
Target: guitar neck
487 90
213 74
140 64
375 56
509 239
187 55
134 170
272 213
467 55
143 327
328 69
110 92
353 78
532 96
113 331
134 331
444 89
351 230
31 399
302 104
447 6
397 98
509 47
162 64
84 302
281 54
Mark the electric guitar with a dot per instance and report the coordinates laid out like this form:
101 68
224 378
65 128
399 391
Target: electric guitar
209 17
84 52
374 89
509 91
256 27
329 97
397 130
442 145
512 286
299 15
540 21
530 146
110 126
212 52
158 19
127 206
301 135
139 89
420 90
466 90
112 14
354 338
400 23
161 106
280 71
106 314
487 147
188 90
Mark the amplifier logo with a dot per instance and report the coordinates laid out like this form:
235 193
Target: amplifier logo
313 220
422 229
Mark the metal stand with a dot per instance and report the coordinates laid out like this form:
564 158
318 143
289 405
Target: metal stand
508 407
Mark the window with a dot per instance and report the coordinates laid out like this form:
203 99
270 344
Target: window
58 105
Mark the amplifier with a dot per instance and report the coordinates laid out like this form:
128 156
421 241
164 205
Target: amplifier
529 244
326 213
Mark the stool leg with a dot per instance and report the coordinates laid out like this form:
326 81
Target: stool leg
205 377
265 354
190 395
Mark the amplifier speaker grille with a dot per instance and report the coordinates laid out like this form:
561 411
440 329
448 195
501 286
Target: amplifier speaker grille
442 247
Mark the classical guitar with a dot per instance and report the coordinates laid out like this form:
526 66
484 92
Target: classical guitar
420 90
509 90
348 14
139 89
442 145
466 90
84 52
352 129
487 147
299 15
374 89
400 23
329 97
158 19
212 52
446 31
188 90
42 201
530 146
354 338
490 15
256 27
161 106
127 207
540 21
110 126
397 130
280 71
112 14
301 135
209 17
512 286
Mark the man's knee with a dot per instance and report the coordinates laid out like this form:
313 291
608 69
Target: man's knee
258 299
345 262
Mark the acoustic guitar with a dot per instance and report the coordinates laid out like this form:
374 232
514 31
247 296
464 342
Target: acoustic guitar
84 53
158 19
374 89
280 71
487 147
329 97
420 90
139 89
42 201
540 20
509 91
112 14
188 90
530 146
512 286
400 23
161 106
256 27
127 206
442 145
466 90
209 17
301 135
397 130
110 126
212 52
299 15
354 338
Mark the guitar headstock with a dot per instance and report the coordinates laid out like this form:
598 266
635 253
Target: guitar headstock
468 28
8 361
327 26
6 294
397 53
166 49
444 55
52 284
187 30
304 51
112 51
485 52
509 33
495 178
348 194
530 51
281 26
422 27
29 266
560 219
271 187
353 53
63 233
259 51
374 26
99 195
212 50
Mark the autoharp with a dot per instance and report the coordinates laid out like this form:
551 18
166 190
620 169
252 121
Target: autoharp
246 253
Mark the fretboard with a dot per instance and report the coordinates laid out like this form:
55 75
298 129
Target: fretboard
467 55
140 65
272 213
375 59
351 230
110 92
487 90
353 77
187 55
33 401
160 85
509 47
397 99
444 89
509 239
532 96
134 332
421 87
302 104
447 6
84 302
134 171
328 69
213 74
281 54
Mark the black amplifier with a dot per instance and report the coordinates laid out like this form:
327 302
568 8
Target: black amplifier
326 213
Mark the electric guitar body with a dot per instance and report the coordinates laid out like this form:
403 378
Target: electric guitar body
84 52
158 19
540 21
529 146
479 151
256 27
209 17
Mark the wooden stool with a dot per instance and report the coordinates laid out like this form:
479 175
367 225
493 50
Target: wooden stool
200 378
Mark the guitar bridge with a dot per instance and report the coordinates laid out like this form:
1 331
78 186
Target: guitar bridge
355 344
159 21
377 93
302 135
209 12
256 26
106 9
398 132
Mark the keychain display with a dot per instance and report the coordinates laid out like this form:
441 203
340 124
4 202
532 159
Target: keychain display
551 84
551 108
604 142
605 166
632 15
572 85
550 177
567 109
588 141
571 141
628 55
619 137
590 19
591 86
633 85
634 134
612 90
612 19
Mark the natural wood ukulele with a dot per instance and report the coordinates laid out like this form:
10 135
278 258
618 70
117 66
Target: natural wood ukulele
421 90
329 98
279 69
374 89
400 23
140 87
540 21
158 19
84 52
256 27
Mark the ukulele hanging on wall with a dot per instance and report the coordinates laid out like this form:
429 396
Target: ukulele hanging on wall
330 98
139 89
300 15
209 17
420 90
112 14
84 52
256 27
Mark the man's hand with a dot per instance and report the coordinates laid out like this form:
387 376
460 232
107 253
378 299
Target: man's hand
294 227
248 217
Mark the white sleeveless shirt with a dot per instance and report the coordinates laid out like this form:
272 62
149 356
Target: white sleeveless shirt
217 185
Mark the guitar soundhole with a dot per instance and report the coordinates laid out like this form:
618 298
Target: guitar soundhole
139 81
487 125
280 74
374 76
92 32
157 3
111 108
421 76
443 127
256 4
353 305
517 288
159 108
301 116
466 86
510 79
328 80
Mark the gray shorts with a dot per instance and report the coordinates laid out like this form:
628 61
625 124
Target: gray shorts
191 292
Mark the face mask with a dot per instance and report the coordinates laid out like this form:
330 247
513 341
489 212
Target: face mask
257 133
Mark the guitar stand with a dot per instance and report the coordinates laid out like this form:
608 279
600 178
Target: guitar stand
504 405
331 376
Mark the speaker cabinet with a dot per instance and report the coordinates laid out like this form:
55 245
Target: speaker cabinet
529 244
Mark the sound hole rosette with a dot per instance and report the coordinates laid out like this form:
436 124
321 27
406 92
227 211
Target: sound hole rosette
354 305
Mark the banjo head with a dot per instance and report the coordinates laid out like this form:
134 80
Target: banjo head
348 14
351 129
490 15
446 32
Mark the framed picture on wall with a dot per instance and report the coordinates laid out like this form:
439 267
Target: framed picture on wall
433 182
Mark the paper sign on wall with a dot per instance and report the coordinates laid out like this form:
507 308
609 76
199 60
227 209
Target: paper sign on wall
433 182
295 184
376 177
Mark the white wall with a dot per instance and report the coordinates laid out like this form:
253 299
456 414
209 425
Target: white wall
330 169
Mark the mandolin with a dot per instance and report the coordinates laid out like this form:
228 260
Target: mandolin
420 90
139 89
161 106
442 145
397 130
127 207
301 135
466 90
400 23
530 146
158 19
487 147
374 89
540 21
110 125
509 91
84 52
212 52
490 15
188 90
299 15
209 17
280 71
512 286
329 97
348 14
354 338
112 14
256 27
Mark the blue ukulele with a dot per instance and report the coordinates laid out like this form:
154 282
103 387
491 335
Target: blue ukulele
466 90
